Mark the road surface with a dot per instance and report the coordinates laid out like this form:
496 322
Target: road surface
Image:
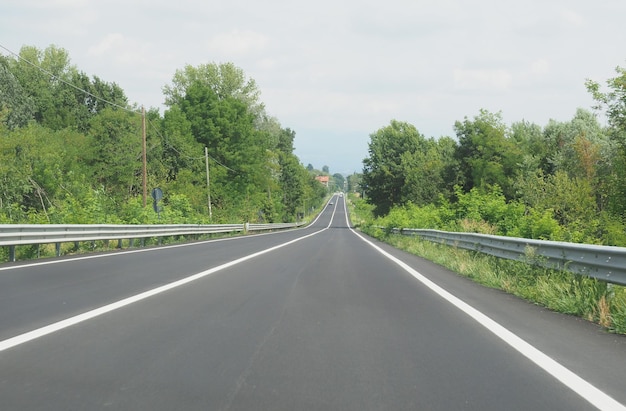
321 318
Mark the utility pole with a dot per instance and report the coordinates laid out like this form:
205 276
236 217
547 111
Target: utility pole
145 162
208 185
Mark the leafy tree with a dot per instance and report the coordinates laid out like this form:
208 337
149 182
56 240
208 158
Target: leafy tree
485 154
61 96
354 182
584 150
180 149
293 179
115 152
338 181
226 127
579 145
613 101
426 170
90 97
285 141
80 159
225 80
18 105
384 172
534 146
37 166
45 75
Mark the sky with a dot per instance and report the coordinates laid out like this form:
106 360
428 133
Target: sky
336 71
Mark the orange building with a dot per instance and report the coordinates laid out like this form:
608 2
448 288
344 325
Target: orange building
323 179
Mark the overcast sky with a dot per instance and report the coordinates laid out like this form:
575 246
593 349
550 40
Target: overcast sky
335 71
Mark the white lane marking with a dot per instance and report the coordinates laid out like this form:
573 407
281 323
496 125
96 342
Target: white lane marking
142 250
113 254
573 381
51 328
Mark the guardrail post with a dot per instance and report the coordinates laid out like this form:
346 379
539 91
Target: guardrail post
131 243
12 253
119 243
57 248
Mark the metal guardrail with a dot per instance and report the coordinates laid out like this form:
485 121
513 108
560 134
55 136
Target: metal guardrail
12 235
606 263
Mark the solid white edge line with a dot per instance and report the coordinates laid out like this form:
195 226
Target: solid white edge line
113 253
51 328
142 250
583 388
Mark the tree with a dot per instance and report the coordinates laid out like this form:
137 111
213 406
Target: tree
384 171
354 182
292 183
225 80
115 152
485 154
38 167
67 155
534 146
179 144
424 173
613 101
240 152
59 95
18 106
338 182
285 141
584 150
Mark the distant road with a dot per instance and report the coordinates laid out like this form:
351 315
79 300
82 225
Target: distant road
321 318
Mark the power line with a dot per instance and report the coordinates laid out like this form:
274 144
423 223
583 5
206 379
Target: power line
166 141
55 77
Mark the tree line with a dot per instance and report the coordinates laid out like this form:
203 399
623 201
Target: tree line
71 148
563 181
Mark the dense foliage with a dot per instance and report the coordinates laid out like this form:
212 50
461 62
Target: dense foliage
564 181
71 148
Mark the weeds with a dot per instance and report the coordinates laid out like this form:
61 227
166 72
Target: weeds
557 290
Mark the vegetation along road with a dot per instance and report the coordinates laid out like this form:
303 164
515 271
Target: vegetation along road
320 318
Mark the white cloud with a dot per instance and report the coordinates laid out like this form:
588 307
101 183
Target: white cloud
540 67
106 45
237 42
50 4
482 80
348 66
572 18
125 51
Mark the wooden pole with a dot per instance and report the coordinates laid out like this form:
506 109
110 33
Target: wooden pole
208 185
145 162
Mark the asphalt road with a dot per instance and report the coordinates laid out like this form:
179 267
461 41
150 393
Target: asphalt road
321 318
